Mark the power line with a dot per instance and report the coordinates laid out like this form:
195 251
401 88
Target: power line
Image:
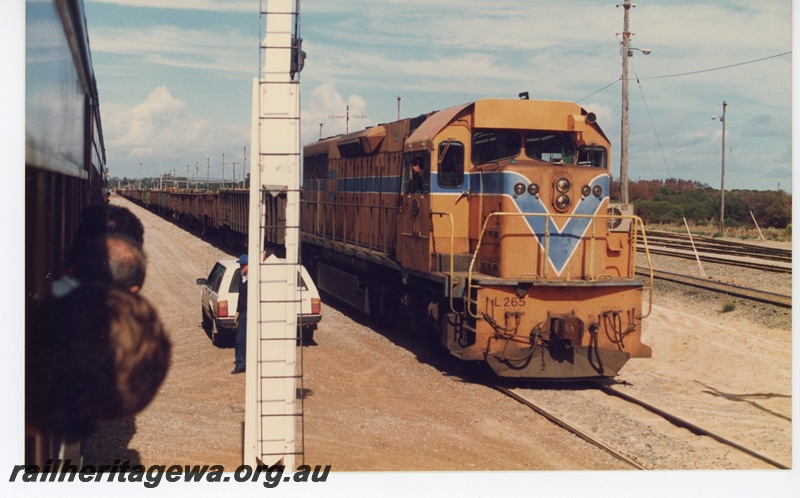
598 91
652 123
716 68
599 47
687 74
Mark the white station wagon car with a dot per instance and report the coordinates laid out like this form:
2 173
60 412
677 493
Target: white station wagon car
220 293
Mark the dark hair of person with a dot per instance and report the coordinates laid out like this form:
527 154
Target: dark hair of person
100 353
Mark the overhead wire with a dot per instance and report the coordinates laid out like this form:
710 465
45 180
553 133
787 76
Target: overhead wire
599 47
716 68
689 73
652 123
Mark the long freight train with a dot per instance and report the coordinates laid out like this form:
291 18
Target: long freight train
489 222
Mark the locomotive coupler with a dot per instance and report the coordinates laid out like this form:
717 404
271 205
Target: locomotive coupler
565 333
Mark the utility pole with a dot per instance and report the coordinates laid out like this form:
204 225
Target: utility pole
208 172
722 182
320 130
196 172
626 131
234 170
346 117
223 171
187 177
627 51
398 106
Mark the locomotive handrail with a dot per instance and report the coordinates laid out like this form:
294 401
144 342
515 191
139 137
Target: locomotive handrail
636 222
452 245
639 223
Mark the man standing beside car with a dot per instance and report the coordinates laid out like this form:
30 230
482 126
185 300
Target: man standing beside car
241 319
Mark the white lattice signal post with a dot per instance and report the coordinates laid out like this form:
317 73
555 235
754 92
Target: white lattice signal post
271 412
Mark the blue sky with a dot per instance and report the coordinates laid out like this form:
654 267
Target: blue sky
174 75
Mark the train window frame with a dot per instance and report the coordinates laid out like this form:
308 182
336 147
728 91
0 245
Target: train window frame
593 150
552 140
482 154
425 157
452 156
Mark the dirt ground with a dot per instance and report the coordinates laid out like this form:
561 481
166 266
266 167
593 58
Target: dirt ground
377 401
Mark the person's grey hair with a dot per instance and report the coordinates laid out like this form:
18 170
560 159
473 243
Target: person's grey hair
113 259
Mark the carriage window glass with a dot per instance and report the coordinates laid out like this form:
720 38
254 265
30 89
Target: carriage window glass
551 147
490 146
451 164
592 155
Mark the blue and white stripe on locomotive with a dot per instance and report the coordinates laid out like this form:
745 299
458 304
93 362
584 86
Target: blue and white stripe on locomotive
564 241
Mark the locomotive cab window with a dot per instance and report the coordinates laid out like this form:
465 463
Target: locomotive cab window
551 147
417 173
488 146
451 164
592 155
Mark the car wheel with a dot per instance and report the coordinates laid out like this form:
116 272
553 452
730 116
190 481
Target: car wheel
206 321
308 335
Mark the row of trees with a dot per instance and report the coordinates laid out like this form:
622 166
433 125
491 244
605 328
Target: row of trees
669 201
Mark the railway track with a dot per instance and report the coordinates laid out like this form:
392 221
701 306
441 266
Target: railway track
718 251
619 454
679 422
563 424
760 296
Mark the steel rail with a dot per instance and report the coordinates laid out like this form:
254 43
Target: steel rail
760 296
723 261
685 424
561 423
678 241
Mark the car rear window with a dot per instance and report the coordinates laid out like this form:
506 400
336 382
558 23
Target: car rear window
301 284
215 277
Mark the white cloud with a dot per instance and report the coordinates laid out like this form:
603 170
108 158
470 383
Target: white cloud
222 50
325 105
162 133
444 53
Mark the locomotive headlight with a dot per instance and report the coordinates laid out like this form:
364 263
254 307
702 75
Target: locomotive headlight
586 190
597 191
533 189
562 185
562 203
519 189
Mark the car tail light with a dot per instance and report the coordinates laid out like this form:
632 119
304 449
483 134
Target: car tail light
316 306
222 308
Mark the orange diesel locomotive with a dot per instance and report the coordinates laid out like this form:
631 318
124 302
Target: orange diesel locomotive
499 245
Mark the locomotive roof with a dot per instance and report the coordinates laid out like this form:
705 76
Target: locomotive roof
506 114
